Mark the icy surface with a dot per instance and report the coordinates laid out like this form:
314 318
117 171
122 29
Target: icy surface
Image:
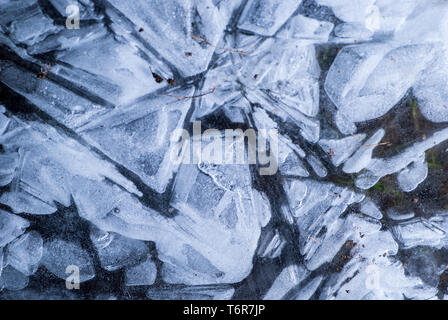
347 99
142 274
24 254
59 255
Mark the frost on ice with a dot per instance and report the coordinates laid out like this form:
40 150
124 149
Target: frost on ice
357 91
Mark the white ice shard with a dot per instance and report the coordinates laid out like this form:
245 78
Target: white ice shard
24 253
340 150
288 71
309 127
271 244
265 17
363 156
376 16
176 27
366 81
290 277
289 162
368 207
33 27
118 73
219 209
317 165
304 28
48 158
289 154
431 90
418 231
316 208
353 32
11 226
410 177
8 165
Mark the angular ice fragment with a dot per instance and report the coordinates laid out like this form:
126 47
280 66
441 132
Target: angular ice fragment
143 274
217 207
288 72
317 166
317 207
52 98
431 90
24 253
174 27
12 279
21 202
418 231
353 31
32 28
431 17
369 208
290 277
344 124
309 127
341 149
363 156
323 249
116 65
59 255
271 244
11 226
8 164
288 161
146 128
265 17
296 192
116 251
304 28
383 17
392 284
306 290
410 177
366 81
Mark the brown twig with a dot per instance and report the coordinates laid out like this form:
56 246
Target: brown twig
210 44
376 144
191 97
310 237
